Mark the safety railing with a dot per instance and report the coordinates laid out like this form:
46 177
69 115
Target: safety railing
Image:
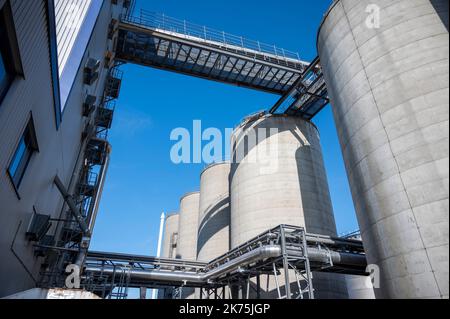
183 27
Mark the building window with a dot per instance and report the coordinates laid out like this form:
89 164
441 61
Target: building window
5 72
10 62
26 148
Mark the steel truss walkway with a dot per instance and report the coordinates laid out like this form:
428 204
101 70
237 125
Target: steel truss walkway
162 42
286 250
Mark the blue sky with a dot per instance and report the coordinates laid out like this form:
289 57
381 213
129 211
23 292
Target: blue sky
142 180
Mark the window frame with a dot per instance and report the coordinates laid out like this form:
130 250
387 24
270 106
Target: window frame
53 51
29 140
4 87
9 49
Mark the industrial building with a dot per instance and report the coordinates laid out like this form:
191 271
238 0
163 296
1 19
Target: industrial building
260 226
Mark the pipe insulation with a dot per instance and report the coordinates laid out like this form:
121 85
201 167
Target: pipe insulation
192 278
259 254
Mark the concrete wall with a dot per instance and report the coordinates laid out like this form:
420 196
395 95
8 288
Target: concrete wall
389 88
281 180
59 149
170 229
214 219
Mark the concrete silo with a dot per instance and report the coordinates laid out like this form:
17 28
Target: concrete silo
214 219
278 177
187 229
389 87
359 287
187 233
170 236
169 248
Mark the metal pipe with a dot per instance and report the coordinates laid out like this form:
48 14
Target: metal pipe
261 253
258 254
93 210
338 258
191 278
72 207
321 239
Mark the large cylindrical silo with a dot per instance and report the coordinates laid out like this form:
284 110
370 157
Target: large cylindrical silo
169 248
214 219
187 229
278 177
386 65
187 233
359 287
170 236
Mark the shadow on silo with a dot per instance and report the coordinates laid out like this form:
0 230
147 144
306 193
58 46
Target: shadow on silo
442 7
217 218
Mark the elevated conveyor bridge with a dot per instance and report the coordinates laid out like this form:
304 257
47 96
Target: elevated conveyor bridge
158 41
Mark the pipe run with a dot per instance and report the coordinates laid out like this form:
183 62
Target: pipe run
337 258
187 278
265 252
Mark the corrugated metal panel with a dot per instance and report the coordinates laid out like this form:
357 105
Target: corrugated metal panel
31 93
32 40
70 15
58 149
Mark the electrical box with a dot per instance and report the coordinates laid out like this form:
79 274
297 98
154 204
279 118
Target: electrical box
38 228
89 105
91 71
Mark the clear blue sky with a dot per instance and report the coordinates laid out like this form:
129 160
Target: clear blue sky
142 180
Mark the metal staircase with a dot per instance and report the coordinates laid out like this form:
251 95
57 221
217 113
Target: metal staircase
307 96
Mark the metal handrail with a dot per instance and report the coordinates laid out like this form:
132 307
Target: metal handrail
166 23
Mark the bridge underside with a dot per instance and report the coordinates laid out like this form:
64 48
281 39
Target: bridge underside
168 52
301 85
307 96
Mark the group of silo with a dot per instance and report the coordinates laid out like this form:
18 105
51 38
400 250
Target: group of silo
202 225
276 176
386 68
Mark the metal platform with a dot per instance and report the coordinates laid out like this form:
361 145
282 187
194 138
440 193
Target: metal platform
155 40
159 41
307 96
282 250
